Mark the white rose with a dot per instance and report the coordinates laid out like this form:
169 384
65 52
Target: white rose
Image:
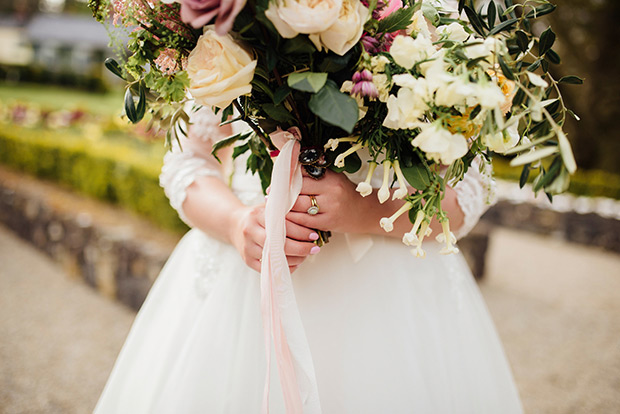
341 36
404 110
453 31
407 51
219 70
502 141
440 144
292 17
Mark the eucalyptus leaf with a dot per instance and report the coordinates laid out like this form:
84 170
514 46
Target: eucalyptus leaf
141 107
307 81
334 107
417 176
475 20
549 175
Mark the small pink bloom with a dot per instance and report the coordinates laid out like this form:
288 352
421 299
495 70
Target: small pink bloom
200 12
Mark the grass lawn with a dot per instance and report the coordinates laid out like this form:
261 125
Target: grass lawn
56 97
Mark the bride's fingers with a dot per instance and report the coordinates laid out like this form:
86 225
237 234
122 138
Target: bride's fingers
297 248
304 219
303 203
295 260
300 233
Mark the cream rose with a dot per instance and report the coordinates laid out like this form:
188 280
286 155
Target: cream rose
341 36
292 17
219 70
407 51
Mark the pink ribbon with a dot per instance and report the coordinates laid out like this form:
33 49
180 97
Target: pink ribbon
282 322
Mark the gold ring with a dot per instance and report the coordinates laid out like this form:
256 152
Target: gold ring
314 208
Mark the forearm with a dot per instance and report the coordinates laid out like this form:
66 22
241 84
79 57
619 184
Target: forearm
211 206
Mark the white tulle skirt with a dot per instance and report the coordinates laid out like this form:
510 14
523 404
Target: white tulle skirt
389 334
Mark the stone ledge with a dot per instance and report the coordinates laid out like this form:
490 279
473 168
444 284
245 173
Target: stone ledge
114 251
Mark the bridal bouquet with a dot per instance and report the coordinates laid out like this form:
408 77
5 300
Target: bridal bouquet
423 88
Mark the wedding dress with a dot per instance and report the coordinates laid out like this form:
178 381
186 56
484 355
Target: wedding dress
388 333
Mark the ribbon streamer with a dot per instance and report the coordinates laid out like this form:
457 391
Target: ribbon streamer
282 322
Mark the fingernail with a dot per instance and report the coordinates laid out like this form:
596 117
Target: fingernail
315 250
314 236
266 198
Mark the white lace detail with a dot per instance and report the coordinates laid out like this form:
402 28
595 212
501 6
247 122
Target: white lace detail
475 194
183 166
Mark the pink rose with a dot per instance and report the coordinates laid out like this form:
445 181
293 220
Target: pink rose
200 12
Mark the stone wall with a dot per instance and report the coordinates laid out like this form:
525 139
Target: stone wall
122 257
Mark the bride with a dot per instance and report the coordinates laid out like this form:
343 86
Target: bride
388 333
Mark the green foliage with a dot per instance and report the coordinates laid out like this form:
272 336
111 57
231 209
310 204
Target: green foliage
111 172
590 183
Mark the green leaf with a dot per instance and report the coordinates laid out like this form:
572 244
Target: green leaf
475 20
475 112
130 107
547 39
549 175
553 57
491 14
571 80
505 69
278 113
399 20
240 150
503 26
307 81
113 66
525 174
226 142
298 45
141 107
534 66
541 11
281 93
417 176
334 107
522 40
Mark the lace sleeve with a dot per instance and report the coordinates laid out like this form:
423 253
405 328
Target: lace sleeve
192 159
475 194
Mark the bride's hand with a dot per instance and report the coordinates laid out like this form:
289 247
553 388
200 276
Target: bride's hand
248 237
341 209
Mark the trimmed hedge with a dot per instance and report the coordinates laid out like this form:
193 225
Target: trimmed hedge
590 183
121 174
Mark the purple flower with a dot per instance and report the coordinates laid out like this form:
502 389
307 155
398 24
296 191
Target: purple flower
363 85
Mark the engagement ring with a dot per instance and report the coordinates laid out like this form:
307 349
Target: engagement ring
314 208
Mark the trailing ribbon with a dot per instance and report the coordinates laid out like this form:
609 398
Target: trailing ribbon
282 323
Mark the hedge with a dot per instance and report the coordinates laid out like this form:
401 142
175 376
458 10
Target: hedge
590 183
126 175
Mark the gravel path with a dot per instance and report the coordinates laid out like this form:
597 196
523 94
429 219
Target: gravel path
559 318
